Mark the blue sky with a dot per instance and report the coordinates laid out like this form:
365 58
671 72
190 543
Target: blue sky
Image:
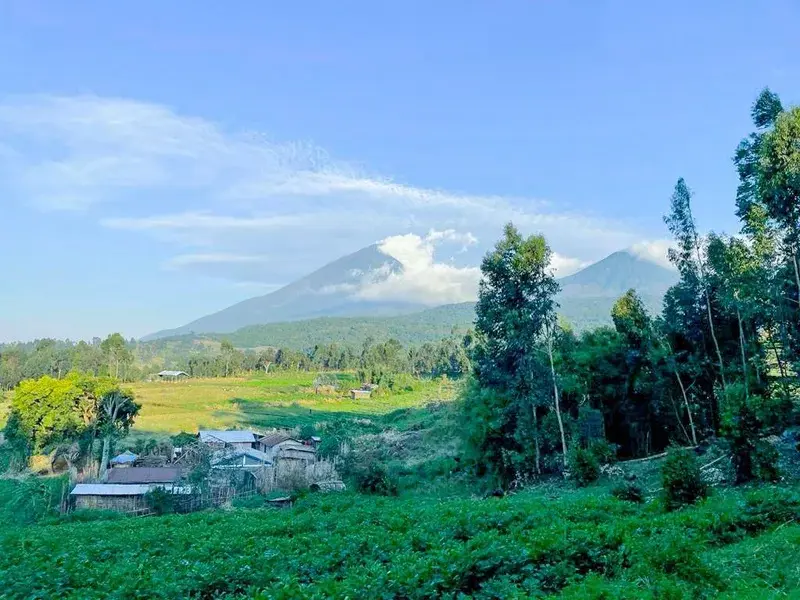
159 161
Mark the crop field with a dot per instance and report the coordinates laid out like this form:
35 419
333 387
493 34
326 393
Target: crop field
583 544
269 400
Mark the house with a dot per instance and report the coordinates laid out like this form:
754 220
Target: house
360 394
235 438
126 460
235 458
172 375
281 446
118 497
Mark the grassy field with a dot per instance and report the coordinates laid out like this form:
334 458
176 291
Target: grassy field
579 544
274 400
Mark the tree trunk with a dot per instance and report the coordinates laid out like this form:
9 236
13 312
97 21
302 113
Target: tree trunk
556 399
781 368
105 457
744 356
537 451
708 309
796 271
688 407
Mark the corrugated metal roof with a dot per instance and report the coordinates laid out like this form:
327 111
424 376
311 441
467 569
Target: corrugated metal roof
224 456
172 373
110 489
144 475
234 436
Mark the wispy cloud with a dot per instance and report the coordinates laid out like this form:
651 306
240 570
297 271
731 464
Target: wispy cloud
205 191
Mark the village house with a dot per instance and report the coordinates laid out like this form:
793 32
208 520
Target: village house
125 489
281 446
234 438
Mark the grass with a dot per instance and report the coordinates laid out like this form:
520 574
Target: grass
269 400
584 544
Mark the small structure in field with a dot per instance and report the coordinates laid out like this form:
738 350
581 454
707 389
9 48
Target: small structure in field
281 446
328 486
360 394
234 438
172 375
118 497
124 460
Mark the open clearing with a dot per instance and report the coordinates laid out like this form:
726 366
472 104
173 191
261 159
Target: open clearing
269 400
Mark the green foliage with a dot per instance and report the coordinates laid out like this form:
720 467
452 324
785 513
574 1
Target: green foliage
629 491
681 478
604 451
583 466
375 478
746 421
182 439
160 501
585 545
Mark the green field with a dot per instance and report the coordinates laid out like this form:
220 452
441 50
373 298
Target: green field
281 399
580 544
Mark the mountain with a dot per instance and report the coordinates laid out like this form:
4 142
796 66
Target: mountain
616 274
314 308
325 292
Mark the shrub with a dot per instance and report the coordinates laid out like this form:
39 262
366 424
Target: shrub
765 462
583 466
376 479
160 501
604 451
629 491
682 480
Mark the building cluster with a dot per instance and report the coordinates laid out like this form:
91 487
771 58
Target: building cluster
236 459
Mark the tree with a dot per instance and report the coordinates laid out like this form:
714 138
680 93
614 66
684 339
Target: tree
516 301
117 354
227 349
116 415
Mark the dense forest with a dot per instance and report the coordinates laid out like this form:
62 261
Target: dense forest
128 360
720 361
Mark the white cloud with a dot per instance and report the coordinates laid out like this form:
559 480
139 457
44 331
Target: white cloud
566 265
204 191
654 251
422 279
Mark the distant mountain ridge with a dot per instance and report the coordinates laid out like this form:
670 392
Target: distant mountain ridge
327 294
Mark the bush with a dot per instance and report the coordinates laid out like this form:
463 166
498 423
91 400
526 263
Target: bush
604 451
629 491
765 462
160 501
583 466
682 480
376 479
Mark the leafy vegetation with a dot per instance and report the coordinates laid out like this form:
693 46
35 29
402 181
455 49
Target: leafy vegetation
582 545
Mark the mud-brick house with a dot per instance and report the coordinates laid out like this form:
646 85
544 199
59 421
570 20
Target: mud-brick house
283 447
118 497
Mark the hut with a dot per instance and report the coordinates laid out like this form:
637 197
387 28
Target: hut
172 375
118 497
360 394
235 438
281 446
124 460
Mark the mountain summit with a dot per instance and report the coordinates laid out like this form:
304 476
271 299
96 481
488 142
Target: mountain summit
586 297
325 292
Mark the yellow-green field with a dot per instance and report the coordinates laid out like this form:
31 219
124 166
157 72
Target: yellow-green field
274 400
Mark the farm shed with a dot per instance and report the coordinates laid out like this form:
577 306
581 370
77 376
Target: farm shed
126 459
119 497
360 394
144 475
280 446
172 375
235 438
